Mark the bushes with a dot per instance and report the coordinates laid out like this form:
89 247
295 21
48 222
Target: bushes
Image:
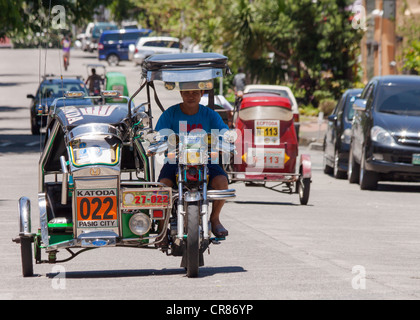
327 106
308 110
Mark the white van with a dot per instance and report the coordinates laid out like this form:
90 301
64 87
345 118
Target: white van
146 46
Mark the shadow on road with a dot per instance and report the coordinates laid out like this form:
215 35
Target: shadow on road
204 272
20 143
10 109
398 187
270 203
12 84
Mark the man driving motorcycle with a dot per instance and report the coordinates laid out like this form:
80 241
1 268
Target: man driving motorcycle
94 81
196 116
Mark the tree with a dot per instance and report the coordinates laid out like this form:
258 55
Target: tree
294 39
21 18
409 32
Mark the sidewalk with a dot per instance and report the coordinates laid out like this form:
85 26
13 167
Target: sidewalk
312 132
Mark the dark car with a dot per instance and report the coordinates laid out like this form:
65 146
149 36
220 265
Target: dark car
337 137
114 45
49 89
385 142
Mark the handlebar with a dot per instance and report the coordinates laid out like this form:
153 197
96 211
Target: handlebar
173 144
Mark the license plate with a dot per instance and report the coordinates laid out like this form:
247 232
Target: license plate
273 160
152 198
266 158
97 208
267 132
416 158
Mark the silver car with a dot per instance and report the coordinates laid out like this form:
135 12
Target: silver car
146 46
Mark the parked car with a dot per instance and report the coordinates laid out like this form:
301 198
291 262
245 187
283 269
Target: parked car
50 88
337 137
146 46
282 91
385 140
93 33
114 44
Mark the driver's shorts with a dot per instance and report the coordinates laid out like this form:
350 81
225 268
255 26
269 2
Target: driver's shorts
169 171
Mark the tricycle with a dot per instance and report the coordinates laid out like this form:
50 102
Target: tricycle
267 150
97 184
104 80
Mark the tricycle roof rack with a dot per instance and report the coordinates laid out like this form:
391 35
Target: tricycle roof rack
184 61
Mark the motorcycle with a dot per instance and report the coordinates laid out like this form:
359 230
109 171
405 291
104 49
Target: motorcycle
189 233
97 186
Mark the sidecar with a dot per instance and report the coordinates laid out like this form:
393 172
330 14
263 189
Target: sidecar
96 181
96 184
268 148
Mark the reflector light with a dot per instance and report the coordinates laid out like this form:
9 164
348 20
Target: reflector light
157 214
110 93
74 94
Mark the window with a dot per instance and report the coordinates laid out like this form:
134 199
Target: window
399 99
114 37
57 90
131 36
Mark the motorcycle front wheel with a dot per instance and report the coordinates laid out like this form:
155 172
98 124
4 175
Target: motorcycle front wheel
193 239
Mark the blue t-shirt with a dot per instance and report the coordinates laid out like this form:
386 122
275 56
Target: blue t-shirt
177 121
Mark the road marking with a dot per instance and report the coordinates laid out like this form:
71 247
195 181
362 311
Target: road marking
5 144
31 144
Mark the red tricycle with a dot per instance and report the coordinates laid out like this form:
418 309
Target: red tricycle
267 148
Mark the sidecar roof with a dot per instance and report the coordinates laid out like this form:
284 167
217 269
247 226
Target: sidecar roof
167 67
72 116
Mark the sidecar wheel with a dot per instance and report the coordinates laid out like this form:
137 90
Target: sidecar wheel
26 256
304 186
193 241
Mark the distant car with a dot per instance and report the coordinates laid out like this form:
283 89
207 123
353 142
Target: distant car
337 137
385 140
145 47
49 89
282 91
93 33
114 45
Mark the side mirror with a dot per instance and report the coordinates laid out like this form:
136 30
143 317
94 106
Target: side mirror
359 105
332 118
30 96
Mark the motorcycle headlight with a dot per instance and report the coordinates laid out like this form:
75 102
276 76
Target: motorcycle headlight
193 157
140 224
380 135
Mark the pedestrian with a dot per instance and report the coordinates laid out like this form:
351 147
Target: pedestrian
66 44
239 83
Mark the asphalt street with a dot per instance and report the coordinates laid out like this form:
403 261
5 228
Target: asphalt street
345 244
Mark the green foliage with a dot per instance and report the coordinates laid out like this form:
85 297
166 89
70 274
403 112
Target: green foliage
409 31
309 44
412 57
308 110
20 19
327 106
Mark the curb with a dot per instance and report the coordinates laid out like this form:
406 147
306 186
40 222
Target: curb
313 143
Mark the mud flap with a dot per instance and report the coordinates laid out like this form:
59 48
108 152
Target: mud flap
184 260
